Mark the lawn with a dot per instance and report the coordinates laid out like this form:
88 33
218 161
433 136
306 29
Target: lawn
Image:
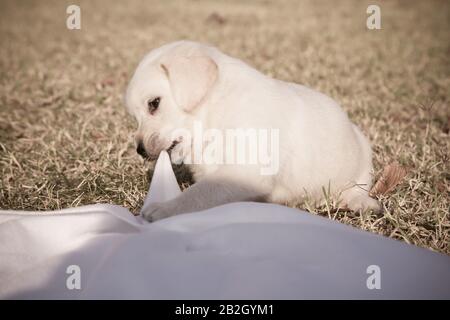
66 139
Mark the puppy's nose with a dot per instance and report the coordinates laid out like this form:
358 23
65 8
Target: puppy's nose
141 150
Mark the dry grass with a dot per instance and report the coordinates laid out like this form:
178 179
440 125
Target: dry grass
66 140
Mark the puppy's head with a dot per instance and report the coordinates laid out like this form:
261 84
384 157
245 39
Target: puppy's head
168 87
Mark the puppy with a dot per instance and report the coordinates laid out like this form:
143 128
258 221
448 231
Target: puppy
183 84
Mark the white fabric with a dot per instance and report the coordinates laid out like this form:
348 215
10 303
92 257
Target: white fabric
235 251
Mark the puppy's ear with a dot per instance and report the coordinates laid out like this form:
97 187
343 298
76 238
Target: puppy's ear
190 79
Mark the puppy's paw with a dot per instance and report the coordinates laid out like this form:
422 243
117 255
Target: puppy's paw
364 203
157 211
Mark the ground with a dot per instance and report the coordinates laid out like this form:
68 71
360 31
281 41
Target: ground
66 139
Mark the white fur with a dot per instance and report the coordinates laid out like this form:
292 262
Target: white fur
320 149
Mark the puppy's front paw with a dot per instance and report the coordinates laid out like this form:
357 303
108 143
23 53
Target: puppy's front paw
156 211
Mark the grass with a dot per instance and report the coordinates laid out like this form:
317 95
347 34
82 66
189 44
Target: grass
66 140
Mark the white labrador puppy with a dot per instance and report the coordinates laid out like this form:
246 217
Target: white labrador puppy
320 151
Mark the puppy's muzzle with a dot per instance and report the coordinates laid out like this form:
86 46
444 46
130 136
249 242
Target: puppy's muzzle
154 151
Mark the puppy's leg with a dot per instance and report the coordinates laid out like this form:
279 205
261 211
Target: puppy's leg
207 193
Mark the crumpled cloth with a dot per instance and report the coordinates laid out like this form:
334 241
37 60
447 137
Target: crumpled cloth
241 250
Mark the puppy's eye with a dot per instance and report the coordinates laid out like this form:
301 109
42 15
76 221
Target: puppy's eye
153 104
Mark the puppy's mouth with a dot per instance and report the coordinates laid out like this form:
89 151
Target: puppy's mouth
153 157
172 146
